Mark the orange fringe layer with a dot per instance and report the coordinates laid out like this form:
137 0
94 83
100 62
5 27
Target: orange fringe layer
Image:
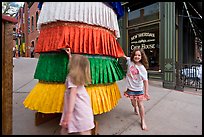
80 37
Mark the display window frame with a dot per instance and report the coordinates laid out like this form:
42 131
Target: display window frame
146 35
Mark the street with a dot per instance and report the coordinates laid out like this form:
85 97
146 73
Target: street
168 112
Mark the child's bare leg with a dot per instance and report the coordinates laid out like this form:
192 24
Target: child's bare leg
136 108
133 102
88 132
142 115
135 105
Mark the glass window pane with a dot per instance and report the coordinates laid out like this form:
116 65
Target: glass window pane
147 38
145 14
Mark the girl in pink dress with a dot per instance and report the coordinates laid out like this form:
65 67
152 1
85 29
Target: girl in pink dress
137 82
77 116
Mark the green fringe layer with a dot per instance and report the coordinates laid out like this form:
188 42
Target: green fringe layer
53 67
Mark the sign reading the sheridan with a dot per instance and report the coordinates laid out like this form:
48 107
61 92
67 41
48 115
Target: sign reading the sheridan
143 40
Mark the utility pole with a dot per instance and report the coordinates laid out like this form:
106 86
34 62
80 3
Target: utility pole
7 73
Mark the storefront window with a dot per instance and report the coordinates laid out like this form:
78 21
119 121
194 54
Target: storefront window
144 14
146 37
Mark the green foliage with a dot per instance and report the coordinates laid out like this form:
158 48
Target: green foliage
10 8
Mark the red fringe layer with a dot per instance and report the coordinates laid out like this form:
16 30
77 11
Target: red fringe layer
80 37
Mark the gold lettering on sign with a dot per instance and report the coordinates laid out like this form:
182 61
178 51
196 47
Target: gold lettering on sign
150 46
144 40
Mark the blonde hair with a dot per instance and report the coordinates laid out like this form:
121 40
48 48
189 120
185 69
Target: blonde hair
143 60
79 70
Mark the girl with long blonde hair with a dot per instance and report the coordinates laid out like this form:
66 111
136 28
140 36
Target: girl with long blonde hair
77 116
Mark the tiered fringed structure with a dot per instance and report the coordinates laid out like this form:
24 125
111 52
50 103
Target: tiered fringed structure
104 69
92 13
94 37
48 97
81 38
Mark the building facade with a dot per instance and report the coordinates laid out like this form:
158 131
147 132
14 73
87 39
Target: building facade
26 29
165 30
33 32
168 31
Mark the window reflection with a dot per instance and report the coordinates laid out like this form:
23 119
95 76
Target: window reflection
144 14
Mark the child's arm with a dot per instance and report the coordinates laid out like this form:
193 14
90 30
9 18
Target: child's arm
146 85
143 73
124 56
70 107
72 99
68 50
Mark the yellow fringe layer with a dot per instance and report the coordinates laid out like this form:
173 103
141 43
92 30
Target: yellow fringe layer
48 98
